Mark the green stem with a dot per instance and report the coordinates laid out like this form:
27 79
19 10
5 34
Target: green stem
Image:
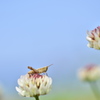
36 97
95 89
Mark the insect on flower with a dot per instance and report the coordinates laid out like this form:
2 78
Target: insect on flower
33 84
40 70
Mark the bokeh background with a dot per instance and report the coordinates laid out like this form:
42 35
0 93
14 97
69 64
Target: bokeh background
38 33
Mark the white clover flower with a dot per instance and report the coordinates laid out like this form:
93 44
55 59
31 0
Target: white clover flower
94 38
32 85
89 73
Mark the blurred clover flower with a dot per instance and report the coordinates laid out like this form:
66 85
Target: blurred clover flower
34 85
94 38
89 73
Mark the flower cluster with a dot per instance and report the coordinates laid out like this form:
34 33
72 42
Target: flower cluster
89 73
94 38
34 85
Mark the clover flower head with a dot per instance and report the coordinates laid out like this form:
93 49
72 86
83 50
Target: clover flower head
89 73
32 85
93 38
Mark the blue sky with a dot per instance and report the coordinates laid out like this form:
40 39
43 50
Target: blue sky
42 32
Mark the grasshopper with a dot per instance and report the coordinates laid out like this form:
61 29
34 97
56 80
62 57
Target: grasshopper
40 70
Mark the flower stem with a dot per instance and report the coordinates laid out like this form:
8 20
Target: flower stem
36 97
95 89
